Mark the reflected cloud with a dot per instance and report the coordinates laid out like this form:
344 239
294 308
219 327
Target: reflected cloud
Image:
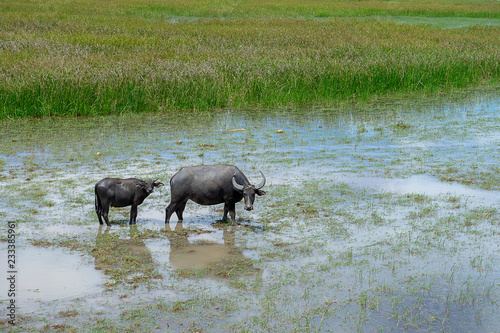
422 184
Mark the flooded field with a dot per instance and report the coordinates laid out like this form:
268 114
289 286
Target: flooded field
378 217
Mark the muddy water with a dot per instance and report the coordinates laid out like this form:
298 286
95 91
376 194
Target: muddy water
377 217
197 251
49 274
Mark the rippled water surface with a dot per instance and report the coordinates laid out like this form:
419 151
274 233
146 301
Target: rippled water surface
377 217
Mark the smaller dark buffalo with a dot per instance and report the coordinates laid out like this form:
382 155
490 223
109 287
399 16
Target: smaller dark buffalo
117 192
211 185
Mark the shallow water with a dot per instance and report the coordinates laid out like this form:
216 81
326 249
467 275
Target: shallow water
425 185
48 274
379 216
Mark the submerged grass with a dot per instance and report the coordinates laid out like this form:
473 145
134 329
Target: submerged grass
320 252
124 260
58 59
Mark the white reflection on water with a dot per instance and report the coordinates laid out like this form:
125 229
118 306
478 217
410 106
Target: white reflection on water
48 274
422 184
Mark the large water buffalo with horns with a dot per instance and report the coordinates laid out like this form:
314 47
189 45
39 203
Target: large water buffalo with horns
211 185
117 192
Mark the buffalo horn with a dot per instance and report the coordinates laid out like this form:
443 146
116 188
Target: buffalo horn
262 183
236 185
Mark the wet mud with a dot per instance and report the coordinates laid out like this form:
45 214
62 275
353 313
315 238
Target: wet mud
378 217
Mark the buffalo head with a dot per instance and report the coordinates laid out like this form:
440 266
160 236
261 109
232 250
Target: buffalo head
248 191
149 185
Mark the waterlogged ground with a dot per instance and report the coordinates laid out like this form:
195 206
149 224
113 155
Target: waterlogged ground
380 217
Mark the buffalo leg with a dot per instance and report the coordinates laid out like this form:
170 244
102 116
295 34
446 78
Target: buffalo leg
171 208
105 212
133 214
98 209
231 209
180 210
232 213
177 207
99 216
226 210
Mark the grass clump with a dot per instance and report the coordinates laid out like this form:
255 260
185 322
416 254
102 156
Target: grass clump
124 260
70 61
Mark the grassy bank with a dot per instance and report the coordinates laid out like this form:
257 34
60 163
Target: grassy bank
86 58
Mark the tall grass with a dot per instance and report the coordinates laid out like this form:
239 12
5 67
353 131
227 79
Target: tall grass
124 10
76 58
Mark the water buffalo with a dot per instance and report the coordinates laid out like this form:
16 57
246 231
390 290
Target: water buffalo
116 192
211 185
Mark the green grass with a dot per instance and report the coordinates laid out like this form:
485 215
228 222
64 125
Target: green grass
331 254
451 22
86 58
158 10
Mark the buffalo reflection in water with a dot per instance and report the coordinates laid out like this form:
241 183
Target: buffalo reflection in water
124 260
206 257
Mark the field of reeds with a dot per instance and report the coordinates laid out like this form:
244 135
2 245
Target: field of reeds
91 57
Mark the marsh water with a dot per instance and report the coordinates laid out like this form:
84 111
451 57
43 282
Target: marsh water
380 216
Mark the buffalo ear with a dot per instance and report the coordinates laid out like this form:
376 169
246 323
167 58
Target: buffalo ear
260 192
140 185
159 184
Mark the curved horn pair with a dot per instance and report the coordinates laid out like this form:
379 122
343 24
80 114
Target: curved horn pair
240 187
